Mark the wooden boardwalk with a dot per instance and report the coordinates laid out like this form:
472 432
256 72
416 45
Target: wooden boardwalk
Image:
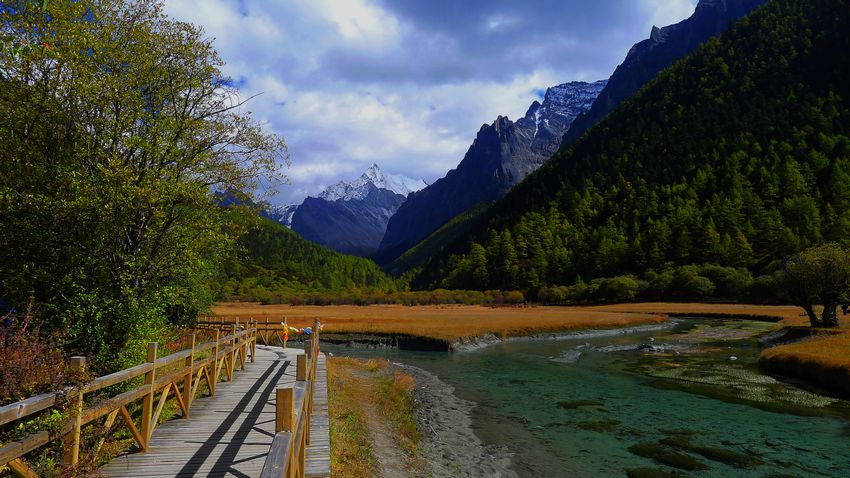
230 435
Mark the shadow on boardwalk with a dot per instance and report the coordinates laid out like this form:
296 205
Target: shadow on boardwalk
228 435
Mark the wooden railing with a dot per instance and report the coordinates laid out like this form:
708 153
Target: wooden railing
178 374
293 411
269 331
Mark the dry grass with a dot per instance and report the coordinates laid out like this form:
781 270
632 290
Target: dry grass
372 409
785 314
829 349
351 449
822 360
446 323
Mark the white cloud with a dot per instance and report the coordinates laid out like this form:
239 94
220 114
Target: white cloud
352 82
666 12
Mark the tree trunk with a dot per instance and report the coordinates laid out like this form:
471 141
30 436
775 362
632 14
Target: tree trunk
813 318
829 316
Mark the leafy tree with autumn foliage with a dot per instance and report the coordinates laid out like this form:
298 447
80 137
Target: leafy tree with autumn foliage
112 143
819 275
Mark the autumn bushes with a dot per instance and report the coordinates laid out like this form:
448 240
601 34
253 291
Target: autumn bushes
371 297
30 361
689 282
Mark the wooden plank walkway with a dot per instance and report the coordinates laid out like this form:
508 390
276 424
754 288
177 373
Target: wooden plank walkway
230 435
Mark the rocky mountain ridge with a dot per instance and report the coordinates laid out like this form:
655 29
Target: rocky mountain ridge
664 46
502 154
349 216
360 187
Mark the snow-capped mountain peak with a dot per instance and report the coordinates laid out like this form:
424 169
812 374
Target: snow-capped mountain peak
282 214
360 187
570 99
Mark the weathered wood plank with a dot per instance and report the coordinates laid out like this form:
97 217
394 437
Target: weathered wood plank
14 411
275 464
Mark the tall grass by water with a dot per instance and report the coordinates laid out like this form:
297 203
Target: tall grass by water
447 323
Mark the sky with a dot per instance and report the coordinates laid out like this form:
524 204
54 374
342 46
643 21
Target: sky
407 84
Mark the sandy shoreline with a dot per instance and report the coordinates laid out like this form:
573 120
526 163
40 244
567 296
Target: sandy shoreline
448 444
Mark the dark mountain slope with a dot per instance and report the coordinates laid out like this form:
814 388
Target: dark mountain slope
353 226
502 154
349 216
663 47
737 155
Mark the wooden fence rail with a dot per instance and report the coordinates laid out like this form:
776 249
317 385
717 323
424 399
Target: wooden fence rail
293 411
269 331
178 375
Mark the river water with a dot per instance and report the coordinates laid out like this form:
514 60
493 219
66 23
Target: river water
599 406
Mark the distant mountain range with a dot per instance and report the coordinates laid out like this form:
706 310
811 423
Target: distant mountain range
350 216
412 225
502 154
663 47
385 216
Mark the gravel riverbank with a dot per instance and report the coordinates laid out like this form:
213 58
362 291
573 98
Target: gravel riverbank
448 444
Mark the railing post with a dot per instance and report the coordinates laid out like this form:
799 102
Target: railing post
308 349
232 365
300 367
215 367
72 440
147 401
245 343
187 381
309 407
254 343
242 343
302 456
285 410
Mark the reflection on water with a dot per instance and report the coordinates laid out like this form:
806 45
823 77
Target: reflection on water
688 400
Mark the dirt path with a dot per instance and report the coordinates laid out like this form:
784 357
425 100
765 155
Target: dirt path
392 461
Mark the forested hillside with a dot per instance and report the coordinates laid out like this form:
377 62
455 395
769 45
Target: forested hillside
276 263
736 156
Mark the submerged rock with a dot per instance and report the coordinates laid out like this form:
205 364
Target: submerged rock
666 456
579 403
650 473
570 356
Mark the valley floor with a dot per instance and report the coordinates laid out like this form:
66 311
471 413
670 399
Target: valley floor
820 359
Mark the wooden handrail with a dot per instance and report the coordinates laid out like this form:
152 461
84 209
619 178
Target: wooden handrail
227 350
265 330
288 451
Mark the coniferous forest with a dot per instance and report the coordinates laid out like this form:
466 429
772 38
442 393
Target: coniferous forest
274 263
700 185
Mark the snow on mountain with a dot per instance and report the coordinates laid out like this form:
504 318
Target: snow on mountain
570 99
359 188
282 214
502 154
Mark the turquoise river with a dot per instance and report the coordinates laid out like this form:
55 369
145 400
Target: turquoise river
687 400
